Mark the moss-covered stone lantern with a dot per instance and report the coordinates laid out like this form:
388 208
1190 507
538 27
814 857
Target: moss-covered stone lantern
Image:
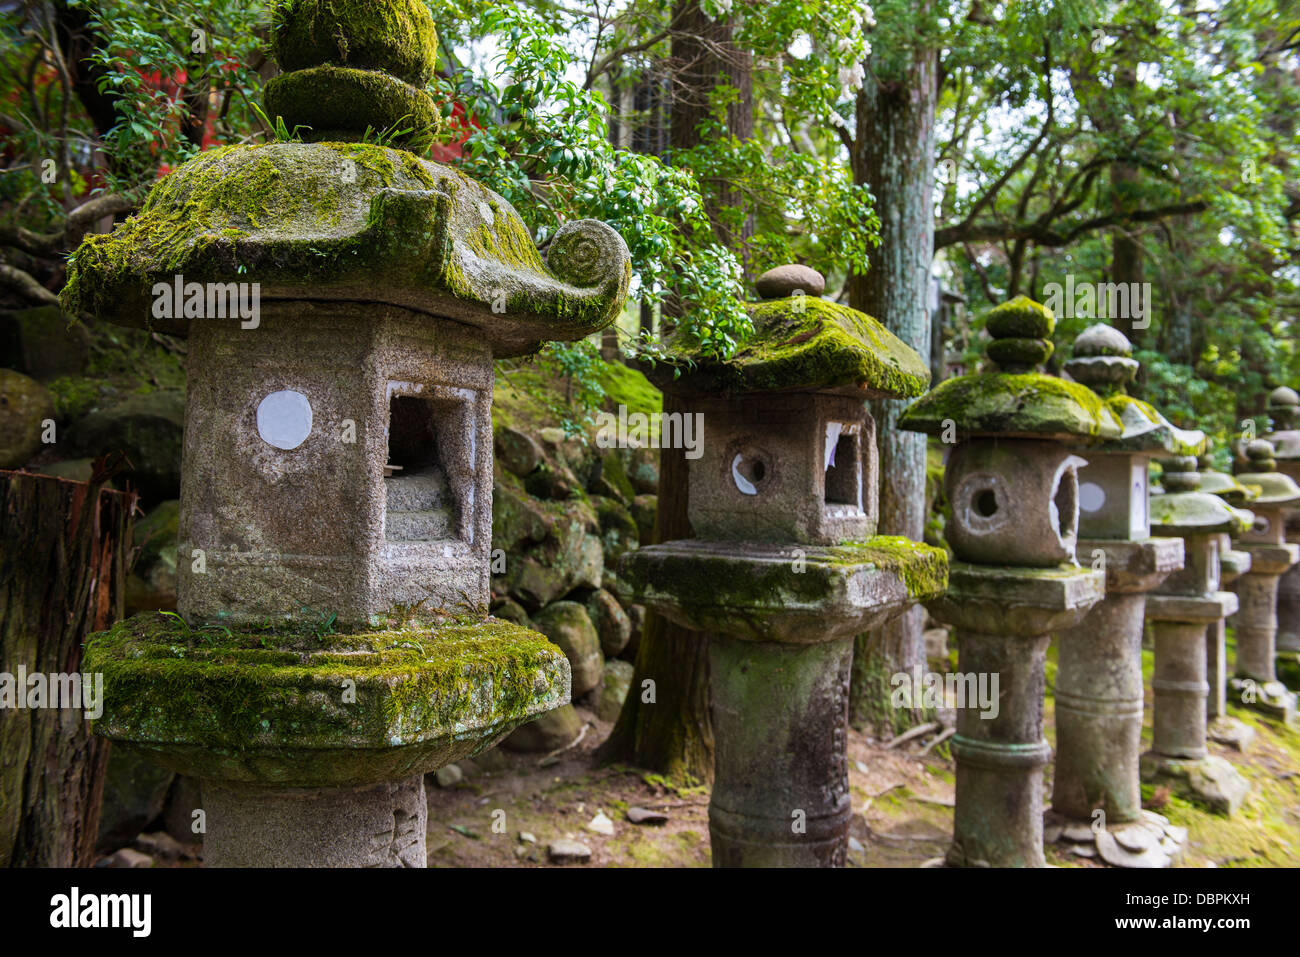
1181 612
1099 690
1012 483
344 302
1284 411
785 567
1233 563
1271 555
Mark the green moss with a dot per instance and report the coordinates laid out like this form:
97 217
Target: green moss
167 685
805 343
922 568
1029 405
626 386
1193 513
1020 318
1021 354
396 36
333 103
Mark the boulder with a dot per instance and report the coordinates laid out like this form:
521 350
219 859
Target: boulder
616 679
517 451
25 406
643 510
644 473
618 529
150 429
551 731
135 790
152 583
567 624
185 798
636 615
611 621
507 609
517 520
43 343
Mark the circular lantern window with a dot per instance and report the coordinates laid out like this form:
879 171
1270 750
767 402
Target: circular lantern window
284 419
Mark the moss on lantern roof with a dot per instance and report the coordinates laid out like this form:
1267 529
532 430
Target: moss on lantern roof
352 221
1027 404
1189 513
1227 487
1275 488
802 343
274 708
1146 430
396 36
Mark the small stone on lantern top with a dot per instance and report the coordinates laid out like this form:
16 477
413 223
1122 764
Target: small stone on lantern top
354 67
1284 407
1020 330
790 280
1261 455
1102 359
1016 400
1180 474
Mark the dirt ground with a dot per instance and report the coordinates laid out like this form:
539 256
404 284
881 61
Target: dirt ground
902 800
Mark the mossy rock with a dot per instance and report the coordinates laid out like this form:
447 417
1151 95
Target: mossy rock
1030 405
351 221
395 36
302 710
567 624
25 406
802 344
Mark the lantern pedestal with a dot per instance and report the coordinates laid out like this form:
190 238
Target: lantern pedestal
1099 694
1256 684
1223 727
1004 618
1178 752
780 623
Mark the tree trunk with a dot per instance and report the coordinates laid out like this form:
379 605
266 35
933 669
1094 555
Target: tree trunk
63 552
674 735
671 733
894 155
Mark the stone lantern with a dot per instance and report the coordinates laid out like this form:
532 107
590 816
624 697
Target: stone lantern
1099 691
785 568
1233 563
1181 612
344 302
1012 483
1271 555
1284 411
